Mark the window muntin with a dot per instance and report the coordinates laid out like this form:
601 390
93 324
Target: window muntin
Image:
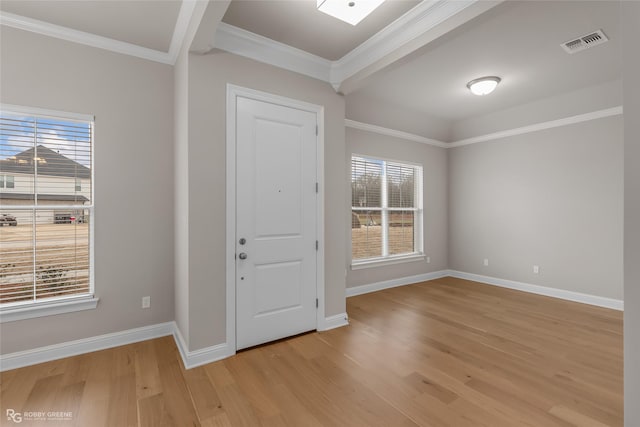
7 181
43 258
386 209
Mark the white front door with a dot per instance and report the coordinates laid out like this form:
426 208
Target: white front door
276 221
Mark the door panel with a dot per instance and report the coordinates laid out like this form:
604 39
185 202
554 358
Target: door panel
278 189
276 214
278 287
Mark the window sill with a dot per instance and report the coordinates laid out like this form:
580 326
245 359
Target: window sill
14 314
386 261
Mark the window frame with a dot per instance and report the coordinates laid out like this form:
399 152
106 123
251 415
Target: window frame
418 229
10 312
4 181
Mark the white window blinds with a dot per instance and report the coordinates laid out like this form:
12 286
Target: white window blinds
45 217
386 203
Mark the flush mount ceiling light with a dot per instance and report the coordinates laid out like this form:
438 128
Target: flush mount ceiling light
483 85
350 11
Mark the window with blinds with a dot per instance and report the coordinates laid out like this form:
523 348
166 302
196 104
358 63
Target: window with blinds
386 209
46 212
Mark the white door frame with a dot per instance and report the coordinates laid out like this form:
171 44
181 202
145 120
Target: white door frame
233 92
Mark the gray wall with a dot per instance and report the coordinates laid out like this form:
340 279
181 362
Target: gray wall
213 12
552 198
586 100
132 100
208 78
181 185
364 109
434 164
631 33
512 201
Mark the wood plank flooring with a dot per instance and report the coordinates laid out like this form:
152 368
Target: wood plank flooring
448 352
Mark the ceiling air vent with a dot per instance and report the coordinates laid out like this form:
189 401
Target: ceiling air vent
585 42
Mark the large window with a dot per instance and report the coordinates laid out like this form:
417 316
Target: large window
386 210
46 219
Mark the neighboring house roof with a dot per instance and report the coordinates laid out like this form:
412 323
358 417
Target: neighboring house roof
56 197
50 163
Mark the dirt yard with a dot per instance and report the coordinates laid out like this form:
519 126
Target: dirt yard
366 241
62 261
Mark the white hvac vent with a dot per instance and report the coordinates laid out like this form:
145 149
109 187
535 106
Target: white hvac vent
585 42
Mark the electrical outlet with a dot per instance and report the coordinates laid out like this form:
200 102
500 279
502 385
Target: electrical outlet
146 302
428 260
486 262
536 269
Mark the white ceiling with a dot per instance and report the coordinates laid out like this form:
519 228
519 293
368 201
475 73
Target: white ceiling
140 22
298 23
518 41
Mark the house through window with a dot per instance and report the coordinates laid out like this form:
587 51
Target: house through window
45 233
386 210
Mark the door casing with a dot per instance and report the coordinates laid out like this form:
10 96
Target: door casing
233 93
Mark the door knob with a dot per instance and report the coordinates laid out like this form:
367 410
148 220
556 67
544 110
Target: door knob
242 255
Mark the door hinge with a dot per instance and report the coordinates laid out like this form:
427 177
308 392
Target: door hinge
316 245
316 302
316 130
317 187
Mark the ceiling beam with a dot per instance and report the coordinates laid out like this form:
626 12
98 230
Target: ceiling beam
204 38
403 37
421 25
245 43
189 9
197 20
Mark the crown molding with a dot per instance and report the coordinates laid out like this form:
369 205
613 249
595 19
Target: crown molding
245 43
594 115
187 9
394 133
416 22
81 37
599 114
419 20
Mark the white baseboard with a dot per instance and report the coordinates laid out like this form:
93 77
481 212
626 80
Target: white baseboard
541 290
504 283
192 359
378 286
333 322
87 345
206 355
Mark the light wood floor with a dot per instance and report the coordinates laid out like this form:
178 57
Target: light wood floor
443 353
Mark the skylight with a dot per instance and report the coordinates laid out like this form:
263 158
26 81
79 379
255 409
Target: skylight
350 11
